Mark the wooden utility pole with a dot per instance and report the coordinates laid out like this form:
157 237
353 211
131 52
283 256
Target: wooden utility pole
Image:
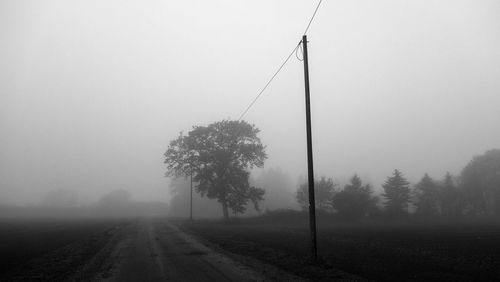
310 170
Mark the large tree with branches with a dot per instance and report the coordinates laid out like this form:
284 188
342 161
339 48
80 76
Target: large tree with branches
218 156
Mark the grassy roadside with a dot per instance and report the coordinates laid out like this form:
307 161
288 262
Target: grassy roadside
389 251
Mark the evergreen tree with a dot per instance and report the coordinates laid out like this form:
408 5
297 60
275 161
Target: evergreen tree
397 194
427 198
450 200
355 200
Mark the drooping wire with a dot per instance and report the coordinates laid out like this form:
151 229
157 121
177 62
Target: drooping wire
269 81
283 64
301 51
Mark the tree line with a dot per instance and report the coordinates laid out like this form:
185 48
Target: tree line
475 192
219 157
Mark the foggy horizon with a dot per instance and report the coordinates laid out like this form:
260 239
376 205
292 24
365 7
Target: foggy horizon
91 93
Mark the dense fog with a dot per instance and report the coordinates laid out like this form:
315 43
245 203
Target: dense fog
175 140
92 92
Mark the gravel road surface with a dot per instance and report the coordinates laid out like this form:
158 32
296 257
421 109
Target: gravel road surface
155 250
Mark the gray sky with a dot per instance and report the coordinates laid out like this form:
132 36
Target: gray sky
92 91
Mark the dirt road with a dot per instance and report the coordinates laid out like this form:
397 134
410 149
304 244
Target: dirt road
149 249
155 250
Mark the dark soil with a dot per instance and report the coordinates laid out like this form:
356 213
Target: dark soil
440 251
51 249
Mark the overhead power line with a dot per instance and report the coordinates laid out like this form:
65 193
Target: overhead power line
269 81
282 65
312 18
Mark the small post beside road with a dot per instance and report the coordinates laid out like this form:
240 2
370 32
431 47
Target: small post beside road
310 170
191 199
